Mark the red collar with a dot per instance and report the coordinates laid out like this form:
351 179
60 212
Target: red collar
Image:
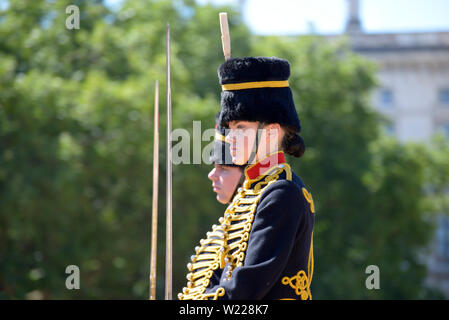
262 166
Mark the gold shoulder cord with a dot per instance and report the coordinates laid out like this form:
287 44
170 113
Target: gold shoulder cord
227 242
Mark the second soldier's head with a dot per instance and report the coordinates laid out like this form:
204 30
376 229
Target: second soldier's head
226 177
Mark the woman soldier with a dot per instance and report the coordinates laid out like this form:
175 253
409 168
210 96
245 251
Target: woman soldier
226 176
263 247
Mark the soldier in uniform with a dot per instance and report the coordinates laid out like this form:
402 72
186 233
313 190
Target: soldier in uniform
263 246
226 176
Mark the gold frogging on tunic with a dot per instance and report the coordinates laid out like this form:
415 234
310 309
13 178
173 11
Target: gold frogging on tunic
227 243
300 283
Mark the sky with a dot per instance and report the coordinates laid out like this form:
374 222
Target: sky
284 17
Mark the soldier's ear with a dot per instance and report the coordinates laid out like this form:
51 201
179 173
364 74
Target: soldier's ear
273 129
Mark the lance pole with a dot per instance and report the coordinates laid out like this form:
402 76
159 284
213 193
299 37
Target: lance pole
168 234
155 194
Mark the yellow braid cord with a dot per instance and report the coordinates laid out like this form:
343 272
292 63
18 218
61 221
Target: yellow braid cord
254 85
220 137
216 251
236 252
310 264
219 293
309 199
300 282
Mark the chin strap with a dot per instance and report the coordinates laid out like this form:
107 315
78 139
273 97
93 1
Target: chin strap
250 159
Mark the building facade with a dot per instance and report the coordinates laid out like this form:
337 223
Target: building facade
414 78
413 71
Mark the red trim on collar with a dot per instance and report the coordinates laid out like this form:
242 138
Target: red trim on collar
259 168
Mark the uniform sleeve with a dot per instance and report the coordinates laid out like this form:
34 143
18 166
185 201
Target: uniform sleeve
278 217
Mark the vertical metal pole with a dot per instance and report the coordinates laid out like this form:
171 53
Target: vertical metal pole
155 194
168 241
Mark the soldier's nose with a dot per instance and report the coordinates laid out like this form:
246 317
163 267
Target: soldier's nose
211 174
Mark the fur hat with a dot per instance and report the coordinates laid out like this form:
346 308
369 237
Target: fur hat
256 89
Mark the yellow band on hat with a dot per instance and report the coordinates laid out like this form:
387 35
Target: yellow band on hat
219 136
253 85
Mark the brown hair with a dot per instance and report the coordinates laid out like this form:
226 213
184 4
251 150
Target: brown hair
292 143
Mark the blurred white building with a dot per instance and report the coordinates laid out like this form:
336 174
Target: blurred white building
414 75
414 95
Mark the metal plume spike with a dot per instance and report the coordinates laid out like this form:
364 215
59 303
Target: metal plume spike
155 194
168 235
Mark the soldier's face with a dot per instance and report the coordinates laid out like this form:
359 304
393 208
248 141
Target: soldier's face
241 139
224 181
242 136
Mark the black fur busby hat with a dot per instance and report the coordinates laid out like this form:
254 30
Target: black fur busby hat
256 89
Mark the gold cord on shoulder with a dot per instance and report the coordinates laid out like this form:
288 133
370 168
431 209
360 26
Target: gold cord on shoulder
309 199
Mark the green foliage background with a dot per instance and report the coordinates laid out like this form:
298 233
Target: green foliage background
76 134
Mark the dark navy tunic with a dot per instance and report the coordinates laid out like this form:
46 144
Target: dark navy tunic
278 261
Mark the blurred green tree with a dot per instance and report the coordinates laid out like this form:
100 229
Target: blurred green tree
76 130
